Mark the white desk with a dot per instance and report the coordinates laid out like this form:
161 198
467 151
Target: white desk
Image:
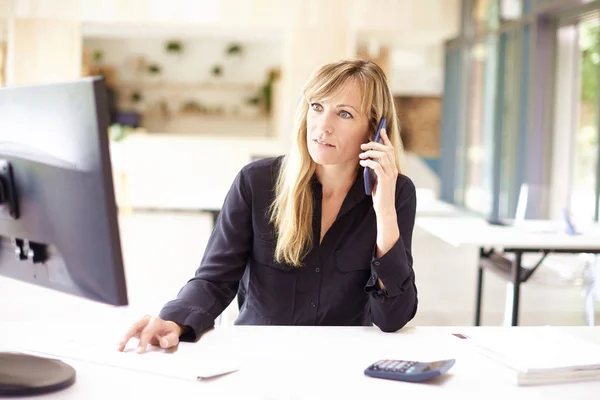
294 363
429 205
527 237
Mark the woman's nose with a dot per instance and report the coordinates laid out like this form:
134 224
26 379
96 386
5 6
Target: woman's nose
326 124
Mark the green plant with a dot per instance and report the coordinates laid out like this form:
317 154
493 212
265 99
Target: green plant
235 49
174 46
98 56
118 132
154 69
136 97
217 70
590 46
253 101
266 91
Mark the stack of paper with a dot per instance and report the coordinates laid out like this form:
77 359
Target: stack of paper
540 356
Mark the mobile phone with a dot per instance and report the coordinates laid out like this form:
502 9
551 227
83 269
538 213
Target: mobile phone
408 371
369 175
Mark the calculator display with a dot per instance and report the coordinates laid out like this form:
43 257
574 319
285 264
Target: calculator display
435 365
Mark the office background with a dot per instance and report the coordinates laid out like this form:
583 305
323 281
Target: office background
496 97
521 108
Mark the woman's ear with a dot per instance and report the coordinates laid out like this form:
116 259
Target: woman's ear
370 136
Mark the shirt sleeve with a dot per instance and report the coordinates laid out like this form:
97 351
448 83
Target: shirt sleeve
393 307
215 283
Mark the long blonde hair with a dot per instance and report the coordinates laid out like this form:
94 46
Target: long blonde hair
292 208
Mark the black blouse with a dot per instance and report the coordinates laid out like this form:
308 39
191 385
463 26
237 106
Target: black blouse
337 285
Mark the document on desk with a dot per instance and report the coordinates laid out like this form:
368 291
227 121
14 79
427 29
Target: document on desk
181 364
539 356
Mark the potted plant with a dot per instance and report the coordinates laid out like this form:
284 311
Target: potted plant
174 47
97 56
217 71
154 70
234 49
233 54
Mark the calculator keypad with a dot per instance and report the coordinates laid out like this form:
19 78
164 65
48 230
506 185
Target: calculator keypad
394 366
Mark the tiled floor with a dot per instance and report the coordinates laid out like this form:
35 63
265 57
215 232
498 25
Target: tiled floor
161 252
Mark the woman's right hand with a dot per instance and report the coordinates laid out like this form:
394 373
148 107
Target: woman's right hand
154 331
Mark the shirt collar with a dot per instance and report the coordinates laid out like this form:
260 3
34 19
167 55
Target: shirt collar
355 195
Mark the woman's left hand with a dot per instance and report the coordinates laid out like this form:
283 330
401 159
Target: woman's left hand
381 158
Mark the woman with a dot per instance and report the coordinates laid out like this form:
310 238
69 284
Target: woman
298 240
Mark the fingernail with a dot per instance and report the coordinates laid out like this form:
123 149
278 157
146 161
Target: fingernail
139 349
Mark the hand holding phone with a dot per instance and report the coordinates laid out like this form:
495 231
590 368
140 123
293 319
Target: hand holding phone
369 175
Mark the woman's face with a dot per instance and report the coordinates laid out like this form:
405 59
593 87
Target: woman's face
336 128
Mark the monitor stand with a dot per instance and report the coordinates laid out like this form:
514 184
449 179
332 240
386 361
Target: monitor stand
24 374
498 222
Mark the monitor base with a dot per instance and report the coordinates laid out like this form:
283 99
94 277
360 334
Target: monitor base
24 374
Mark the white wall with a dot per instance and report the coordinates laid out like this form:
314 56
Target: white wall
6 8
3 30
408 19
417 71
43 51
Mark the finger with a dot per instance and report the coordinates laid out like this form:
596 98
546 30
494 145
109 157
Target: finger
147 335
386 139
374 165
374 146
169 340
374 154
133 331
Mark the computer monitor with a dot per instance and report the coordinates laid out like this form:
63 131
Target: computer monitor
58 215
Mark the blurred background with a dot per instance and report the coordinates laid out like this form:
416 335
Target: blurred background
493 96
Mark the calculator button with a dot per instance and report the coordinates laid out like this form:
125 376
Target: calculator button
393 365
410 370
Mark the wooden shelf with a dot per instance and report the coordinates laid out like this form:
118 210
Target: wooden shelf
178 86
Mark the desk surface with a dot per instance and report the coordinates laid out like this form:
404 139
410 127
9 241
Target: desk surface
528 234
293 363
429 205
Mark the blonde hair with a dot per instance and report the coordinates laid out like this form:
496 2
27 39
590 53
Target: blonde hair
292 208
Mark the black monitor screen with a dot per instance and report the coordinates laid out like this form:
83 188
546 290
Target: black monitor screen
58 216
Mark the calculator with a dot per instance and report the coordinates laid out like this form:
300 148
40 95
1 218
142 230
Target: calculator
409 371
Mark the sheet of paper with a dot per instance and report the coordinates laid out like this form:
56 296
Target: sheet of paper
184 363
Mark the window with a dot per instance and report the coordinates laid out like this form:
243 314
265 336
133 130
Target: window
510 123
585 161
479 141
485 15
510 10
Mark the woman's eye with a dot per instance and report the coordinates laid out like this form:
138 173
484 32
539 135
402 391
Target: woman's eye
345 114
316 106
